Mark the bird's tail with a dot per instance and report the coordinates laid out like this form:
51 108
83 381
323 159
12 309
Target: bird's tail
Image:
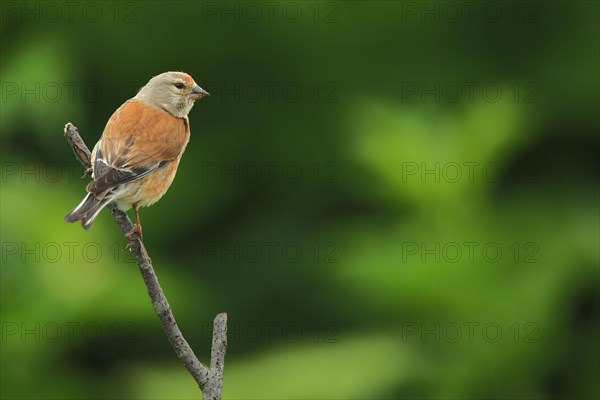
88 210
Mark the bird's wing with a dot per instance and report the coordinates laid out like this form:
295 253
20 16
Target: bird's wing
138 139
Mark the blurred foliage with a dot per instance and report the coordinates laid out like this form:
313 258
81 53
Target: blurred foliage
359 313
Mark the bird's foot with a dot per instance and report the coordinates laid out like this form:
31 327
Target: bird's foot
136 229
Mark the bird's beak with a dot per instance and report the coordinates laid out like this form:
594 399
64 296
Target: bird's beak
199 92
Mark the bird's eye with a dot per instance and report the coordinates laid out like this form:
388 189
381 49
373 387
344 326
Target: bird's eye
179 85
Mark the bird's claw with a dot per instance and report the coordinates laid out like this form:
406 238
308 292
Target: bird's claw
136 229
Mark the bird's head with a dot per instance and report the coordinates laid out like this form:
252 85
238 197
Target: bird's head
174 92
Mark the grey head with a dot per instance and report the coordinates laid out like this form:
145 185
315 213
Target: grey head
174 92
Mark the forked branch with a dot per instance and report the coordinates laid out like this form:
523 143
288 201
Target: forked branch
209 379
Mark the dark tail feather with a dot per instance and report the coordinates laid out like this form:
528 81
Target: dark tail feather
87 210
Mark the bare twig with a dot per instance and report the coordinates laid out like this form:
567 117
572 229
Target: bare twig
209 379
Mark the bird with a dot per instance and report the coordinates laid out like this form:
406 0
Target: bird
136 159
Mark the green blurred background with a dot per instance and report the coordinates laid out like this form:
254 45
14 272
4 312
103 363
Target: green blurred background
389 199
